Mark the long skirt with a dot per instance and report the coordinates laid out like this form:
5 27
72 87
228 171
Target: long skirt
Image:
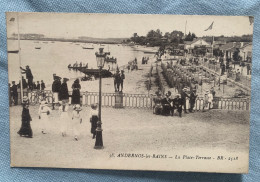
25 129
75 97
93 121
44 121
64 121
76 126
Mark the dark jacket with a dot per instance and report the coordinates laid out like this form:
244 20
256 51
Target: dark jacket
42 86
14 90
64 93
193 97
56 86
38 86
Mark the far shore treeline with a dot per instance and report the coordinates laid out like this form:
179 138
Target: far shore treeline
174 38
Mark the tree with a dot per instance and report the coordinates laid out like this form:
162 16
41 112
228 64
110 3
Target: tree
236 56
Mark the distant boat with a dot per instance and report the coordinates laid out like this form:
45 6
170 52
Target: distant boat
150 52
77 67
13 51
76 44
95 73
110 60
83 47
37 47
45 42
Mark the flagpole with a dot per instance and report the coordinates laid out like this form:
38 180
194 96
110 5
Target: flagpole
19 54
212 45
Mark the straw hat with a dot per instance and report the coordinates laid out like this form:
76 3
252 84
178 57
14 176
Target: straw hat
25 99
77 107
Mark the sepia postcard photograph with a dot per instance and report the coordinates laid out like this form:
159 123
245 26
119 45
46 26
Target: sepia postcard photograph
130 91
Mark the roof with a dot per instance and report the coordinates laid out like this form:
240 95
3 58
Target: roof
246 44
194 40
232 46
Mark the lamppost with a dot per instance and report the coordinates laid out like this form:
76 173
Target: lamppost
100 57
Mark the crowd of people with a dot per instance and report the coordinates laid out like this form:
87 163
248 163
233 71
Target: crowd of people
27 83
167 104
66 120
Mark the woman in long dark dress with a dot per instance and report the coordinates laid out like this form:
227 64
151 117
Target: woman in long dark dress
76 92
26 129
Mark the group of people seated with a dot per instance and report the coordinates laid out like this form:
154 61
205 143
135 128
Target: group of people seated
166 105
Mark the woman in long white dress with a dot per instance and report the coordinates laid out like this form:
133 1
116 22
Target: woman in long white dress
76 121
64 118
44 112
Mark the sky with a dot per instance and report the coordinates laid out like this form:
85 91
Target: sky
69 25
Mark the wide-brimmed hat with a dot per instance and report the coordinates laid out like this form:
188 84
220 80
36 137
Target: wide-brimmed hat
77 107
66 79
25 99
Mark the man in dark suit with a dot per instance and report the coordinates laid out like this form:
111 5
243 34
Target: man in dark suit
14 93
42 85
178 102
38 86
166 103
193 97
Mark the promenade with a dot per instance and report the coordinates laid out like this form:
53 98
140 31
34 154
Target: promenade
127 131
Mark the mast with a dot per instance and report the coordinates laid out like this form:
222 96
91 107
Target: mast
19 54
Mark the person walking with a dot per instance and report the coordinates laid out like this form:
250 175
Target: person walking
122 77
193 97
64 118
38 86
55 89
76 121
93 119
44 112
42 85
64 92
26 129
14 93
76 92
184 96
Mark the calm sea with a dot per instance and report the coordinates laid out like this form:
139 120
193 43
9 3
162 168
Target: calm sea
54 57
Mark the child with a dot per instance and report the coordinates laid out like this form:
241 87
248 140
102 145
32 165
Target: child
26 129
77 120
44 112
93 119
64 117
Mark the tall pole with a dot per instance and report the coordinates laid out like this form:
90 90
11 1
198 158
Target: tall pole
212 45
19 54
99 140
185 27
